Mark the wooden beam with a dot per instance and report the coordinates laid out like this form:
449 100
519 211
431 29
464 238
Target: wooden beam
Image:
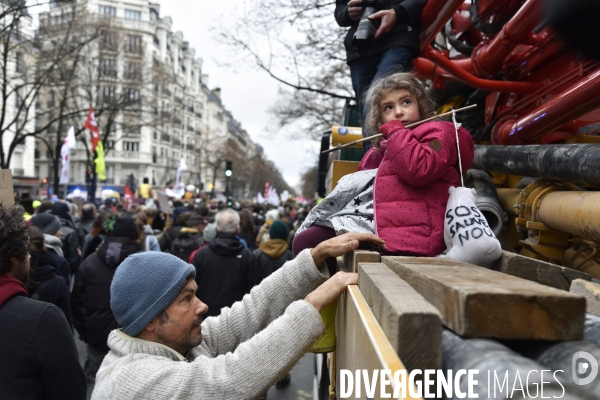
477 302
538 271
361 343
353 258
413 326
591 292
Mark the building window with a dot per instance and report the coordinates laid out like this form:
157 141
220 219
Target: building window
108 42
19 63
134 44
51 98
133 70
106 94
131 146
153 14
132 95
107 10
131 14
108 68
18 98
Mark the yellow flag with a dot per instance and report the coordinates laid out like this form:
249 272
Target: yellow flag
99 161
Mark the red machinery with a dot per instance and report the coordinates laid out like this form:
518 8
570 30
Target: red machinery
531 88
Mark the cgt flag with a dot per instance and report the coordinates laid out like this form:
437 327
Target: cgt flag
92 125
65 152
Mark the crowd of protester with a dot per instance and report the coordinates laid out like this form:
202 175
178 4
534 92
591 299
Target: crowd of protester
75 251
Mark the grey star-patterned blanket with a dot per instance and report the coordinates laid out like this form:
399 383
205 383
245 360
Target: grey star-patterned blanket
348 208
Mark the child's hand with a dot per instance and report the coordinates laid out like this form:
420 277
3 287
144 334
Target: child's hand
342 244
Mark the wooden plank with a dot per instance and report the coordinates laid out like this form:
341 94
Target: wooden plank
538 271
591 292
354 257
477 302
413 326
361 343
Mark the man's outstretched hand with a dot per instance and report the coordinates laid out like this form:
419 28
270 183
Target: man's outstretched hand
331 289
342 244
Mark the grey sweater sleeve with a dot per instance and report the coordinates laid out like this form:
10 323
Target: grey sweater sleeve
262 305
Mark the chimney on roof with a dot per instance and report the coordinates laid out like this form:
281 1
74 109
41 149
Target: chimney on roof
217 92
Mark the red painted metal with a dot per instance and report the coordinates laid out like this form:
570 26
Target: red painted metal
489 57
578 100
541 91
472 80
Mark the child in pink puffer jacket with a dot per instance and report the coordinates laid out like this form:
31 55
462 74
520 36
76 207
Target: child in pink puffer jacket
401 188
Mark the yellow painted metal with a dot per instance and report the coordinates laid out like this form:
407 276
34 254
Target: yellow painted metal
577 213
361 342
508 200
583 139
345 134
337 170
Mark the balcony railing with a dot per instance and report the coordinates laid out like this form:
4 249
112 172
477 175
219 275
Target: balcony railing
165 114
198 114
129 155
190 128
165 137
189 147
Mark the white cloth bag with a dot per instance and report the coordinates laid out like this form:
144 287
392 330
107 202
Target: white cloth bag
467 234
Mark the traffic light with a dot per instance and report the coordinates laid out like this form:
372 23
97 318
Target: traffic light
228 169
229 201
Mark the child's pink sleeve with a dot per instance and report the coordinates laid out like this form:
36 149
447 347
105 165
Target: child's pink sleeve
420 156
373 157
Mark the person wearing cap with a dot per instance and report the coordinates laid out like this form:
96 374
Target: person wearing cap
38 357
272 254
225 269
51 227
70 238
90 299
165 350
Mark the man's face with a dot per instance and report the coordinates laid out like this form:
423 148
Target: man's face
179 327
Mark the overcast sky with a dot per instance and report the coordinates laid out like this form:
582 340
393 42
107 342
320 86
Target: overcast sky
245 91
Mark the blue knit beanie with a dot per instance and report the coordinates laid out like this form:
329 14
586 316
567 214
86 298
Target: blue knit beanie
144 285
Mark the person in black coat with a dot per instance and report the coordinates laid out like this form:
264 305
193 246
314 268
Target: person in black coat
70 238
90 299
46 283
225 269
50 225
273 253
38 355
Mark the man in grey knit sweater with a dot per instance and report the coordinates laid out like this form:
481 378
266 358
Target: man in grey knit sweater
165 351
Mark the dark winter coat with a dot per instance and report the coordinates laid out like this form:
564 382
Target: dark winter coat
250 237
62 265
85 227
39 358
55 291
166 239
225 272
270 256
405 31
70 244
90 299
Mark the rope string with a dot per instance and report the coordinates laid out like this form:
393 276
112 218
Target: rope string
456 126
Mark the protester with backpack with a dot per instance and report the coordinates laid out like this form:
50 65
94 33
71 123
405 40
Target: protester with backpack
225 269
90 299
190 238
50 226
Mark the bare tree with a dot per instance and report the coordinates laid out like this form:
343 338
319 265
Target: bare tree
298 43
308 181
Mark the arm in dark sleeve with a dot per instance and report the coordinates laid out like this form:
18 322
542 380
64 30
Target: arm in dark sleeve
410 11
341 13
77 303
72 251
57 356
250 270
63 300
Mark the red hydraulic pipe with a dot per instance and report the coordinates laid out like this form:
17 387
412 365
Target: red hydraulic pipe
433 18
576 101
489 57
478 83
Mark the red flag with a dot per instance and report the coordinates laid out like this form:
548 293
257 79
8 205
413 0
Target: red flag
92 125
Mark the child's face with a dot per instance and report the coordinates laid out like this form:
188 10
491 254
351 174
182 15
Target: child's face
399 105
